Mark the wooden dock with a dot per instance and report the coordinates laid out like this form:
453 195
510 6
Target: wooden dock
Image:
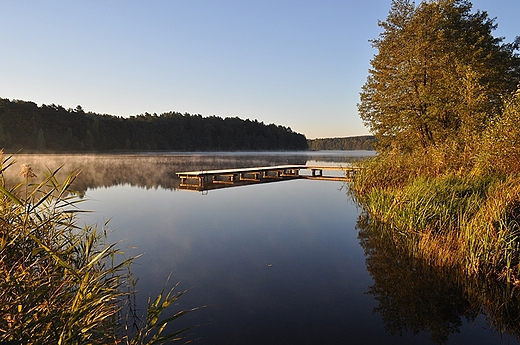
214 179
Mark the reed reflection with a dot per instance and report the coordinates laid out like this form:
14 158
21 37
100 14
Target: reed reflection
417 297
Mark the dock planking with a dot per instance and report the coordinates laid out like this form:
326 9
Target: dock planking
213 179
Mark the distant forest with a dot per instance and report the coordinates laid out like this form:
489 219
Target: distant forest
52 128
365 142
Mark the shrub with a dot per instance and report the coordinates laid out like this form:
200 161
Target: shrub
500 150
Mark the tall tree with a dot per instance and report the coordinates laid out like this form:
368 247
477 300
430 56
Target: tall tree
438 77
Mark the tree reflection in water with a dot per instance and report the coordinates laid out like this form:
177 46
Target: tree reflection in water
158 170
142 170
415 296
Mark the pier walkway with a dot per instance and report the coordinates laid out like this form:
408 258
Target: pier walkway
213 179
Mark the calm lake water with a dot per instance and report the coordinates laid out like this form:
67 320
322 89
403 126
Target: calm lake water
288 262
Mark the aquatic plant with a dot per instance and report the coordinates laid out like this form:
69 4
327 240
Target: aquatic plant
61 283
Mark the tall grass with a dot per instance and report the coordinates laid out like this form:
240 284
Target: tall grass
447 218
59 282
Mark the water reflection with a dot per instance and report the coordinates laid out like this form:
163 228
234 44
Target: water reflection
416 297
279 263
154 171
205 180
275 263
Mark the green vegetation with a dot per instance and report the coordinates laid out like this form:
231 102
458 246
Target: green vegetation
61 283
363 142
51 128
441 100
438 78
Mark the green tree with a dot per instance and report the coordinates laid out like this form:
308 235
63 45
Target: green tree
41 140
438 77
89 140
2 136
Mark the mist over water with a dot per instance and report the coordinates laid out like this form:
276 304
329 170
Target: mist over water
292 262
152 170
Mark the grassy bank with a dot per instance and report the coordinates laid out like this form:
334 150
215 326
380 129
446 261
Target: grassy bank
455 204
448 218
61 283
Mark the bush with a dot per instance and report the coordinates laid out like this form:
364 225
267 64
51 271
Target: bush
500 151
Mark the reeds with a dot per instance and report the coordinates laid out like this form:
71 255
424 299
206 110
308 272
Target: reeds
449 218
59 282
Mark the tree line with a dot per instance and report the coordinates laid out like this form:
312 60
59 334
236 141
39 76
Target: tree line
363 142
52 128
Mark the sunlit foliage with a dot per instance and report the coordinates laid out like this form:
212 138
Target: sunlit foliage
438 77
442 100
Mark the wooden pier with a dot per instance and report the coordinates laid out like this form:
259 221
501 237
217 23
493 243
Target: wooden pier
214 179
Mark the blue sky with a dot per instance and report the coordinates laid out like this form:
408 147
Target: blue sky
298 63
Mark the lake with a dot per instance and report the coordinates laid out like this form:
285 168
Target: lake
290 262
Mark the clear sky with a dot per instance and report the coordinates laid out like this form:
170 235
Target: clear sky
297 63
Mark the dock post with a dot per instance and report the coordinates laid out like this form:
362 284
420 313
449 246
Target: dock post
317 172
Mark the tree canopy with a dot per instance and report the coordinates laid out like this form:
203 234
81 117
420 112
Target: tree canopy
24 125
439 76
